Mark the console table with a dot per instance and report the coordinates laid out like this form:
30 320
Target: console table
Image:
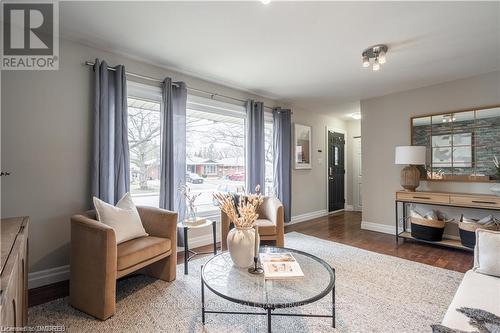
475 201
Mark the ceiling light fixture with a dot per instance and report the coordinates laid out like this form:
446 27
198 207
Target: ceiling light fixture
366 61
377 53
265 2
355 115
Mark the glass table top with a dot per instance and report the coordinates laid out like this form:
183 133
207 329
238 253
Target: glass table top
237 285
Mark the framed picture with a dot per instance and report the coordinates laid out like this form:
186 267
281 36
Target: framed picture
302 146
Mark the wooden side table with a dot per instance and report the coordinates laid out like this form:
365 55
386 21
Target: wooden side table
190 254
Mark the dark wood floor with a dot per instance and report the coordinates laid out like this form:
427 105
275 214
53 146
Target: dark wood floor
345 228
342 228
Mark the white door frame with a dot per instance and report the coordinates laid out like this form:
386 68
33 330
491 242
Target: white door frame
341 131
355 198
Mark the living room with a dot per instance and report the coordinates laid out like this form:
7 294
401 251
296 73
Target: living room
157 155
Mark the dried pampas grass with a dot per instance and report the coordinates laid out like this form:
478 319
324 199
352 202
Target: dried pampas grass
247 208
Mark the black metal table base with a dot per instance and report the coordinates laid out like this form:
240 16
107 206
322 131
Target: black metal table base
190 254
269 311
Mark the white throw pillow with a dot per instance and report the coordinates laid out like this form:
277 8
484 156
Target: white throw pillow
487 252
123 218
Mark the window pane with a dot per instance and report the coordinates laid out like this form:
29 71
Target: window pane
144 146
269 155
215 156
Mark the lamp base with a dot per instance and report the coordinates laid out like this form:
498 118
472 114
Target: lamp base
410 178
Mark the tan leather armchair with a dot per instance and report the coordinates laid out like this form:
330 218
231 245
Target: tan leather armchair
271 222
97 261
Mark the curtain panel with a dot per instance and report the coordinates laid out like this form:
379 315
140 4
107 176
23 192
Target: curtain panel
173 148
282 163
110 171
255 152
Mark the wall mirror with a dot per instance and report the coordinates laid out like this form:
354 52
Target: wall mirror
461 145
302 144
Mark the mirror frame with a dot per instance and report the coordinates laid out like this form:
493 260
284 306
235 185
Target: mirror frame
470 179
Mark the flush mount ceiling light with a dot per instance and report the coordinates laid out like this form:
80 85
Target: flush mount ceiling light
265 2
374 55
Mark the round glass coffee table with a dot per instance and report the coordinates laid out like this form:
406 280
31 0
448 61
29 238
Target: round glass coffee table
239 286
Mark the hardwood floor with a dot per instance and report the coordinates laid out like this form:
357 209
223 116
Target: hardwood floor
342 228
345 228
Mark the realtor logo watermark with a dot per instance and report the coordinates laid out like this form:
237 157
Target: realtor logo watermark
30 36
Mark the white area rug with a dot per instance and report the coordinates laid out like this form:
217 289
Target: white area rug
374 293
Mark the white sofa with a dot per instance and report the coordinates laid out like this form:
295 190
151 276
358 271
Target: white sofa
477 291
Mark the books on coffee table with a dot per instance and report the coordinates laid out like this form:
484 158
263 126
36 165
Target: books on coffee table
280 266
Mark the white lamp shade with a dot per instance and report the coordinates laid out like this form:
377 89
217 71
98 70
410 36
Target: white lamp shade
410 155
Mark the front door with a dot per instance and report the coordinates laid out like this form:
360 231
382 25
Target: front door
336 171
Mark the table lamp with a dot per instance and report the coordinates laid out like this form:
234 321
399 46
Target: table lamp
410 156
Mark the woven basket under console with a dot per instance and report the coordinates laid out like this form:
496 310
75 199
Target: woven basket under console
468 232
429 230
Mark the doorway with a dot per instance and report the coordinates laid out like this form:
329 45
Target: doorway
336 171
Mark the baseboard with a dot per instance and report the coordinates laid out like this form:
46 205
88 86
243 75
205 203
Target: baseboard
48 276
385 228
349 208
307 216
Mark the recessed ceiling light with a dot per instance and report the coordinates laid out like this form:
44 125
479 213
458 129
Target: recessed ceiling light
265 2
355 115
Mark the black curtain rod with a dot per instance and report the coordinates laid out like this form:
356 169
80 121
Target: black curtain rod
153 79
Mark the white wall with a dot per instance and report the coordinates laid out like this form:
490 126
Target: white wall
385 124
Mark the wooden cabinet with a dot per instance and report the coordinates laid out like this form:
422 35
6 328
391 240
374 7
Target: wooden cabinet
14 273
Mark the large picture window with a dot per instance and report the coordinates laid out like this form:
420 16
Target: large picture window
144 143
215 150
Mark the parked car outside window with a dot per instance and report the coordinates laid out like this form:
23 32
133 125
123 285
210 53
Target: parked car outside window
194 178
229 189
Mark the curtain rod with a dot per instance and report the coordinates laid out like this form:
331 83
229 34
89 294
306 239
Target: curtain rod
149 78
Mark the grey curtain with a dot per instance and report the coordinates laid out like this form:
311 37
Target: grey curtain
282 145
255 158
110 174
173 148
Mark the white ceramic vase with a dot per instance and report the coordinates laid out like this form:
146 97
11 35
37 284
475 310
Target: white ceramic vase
496 189
241 246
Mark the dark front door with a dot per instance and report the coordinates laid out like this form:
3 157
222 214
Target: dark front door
336 171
